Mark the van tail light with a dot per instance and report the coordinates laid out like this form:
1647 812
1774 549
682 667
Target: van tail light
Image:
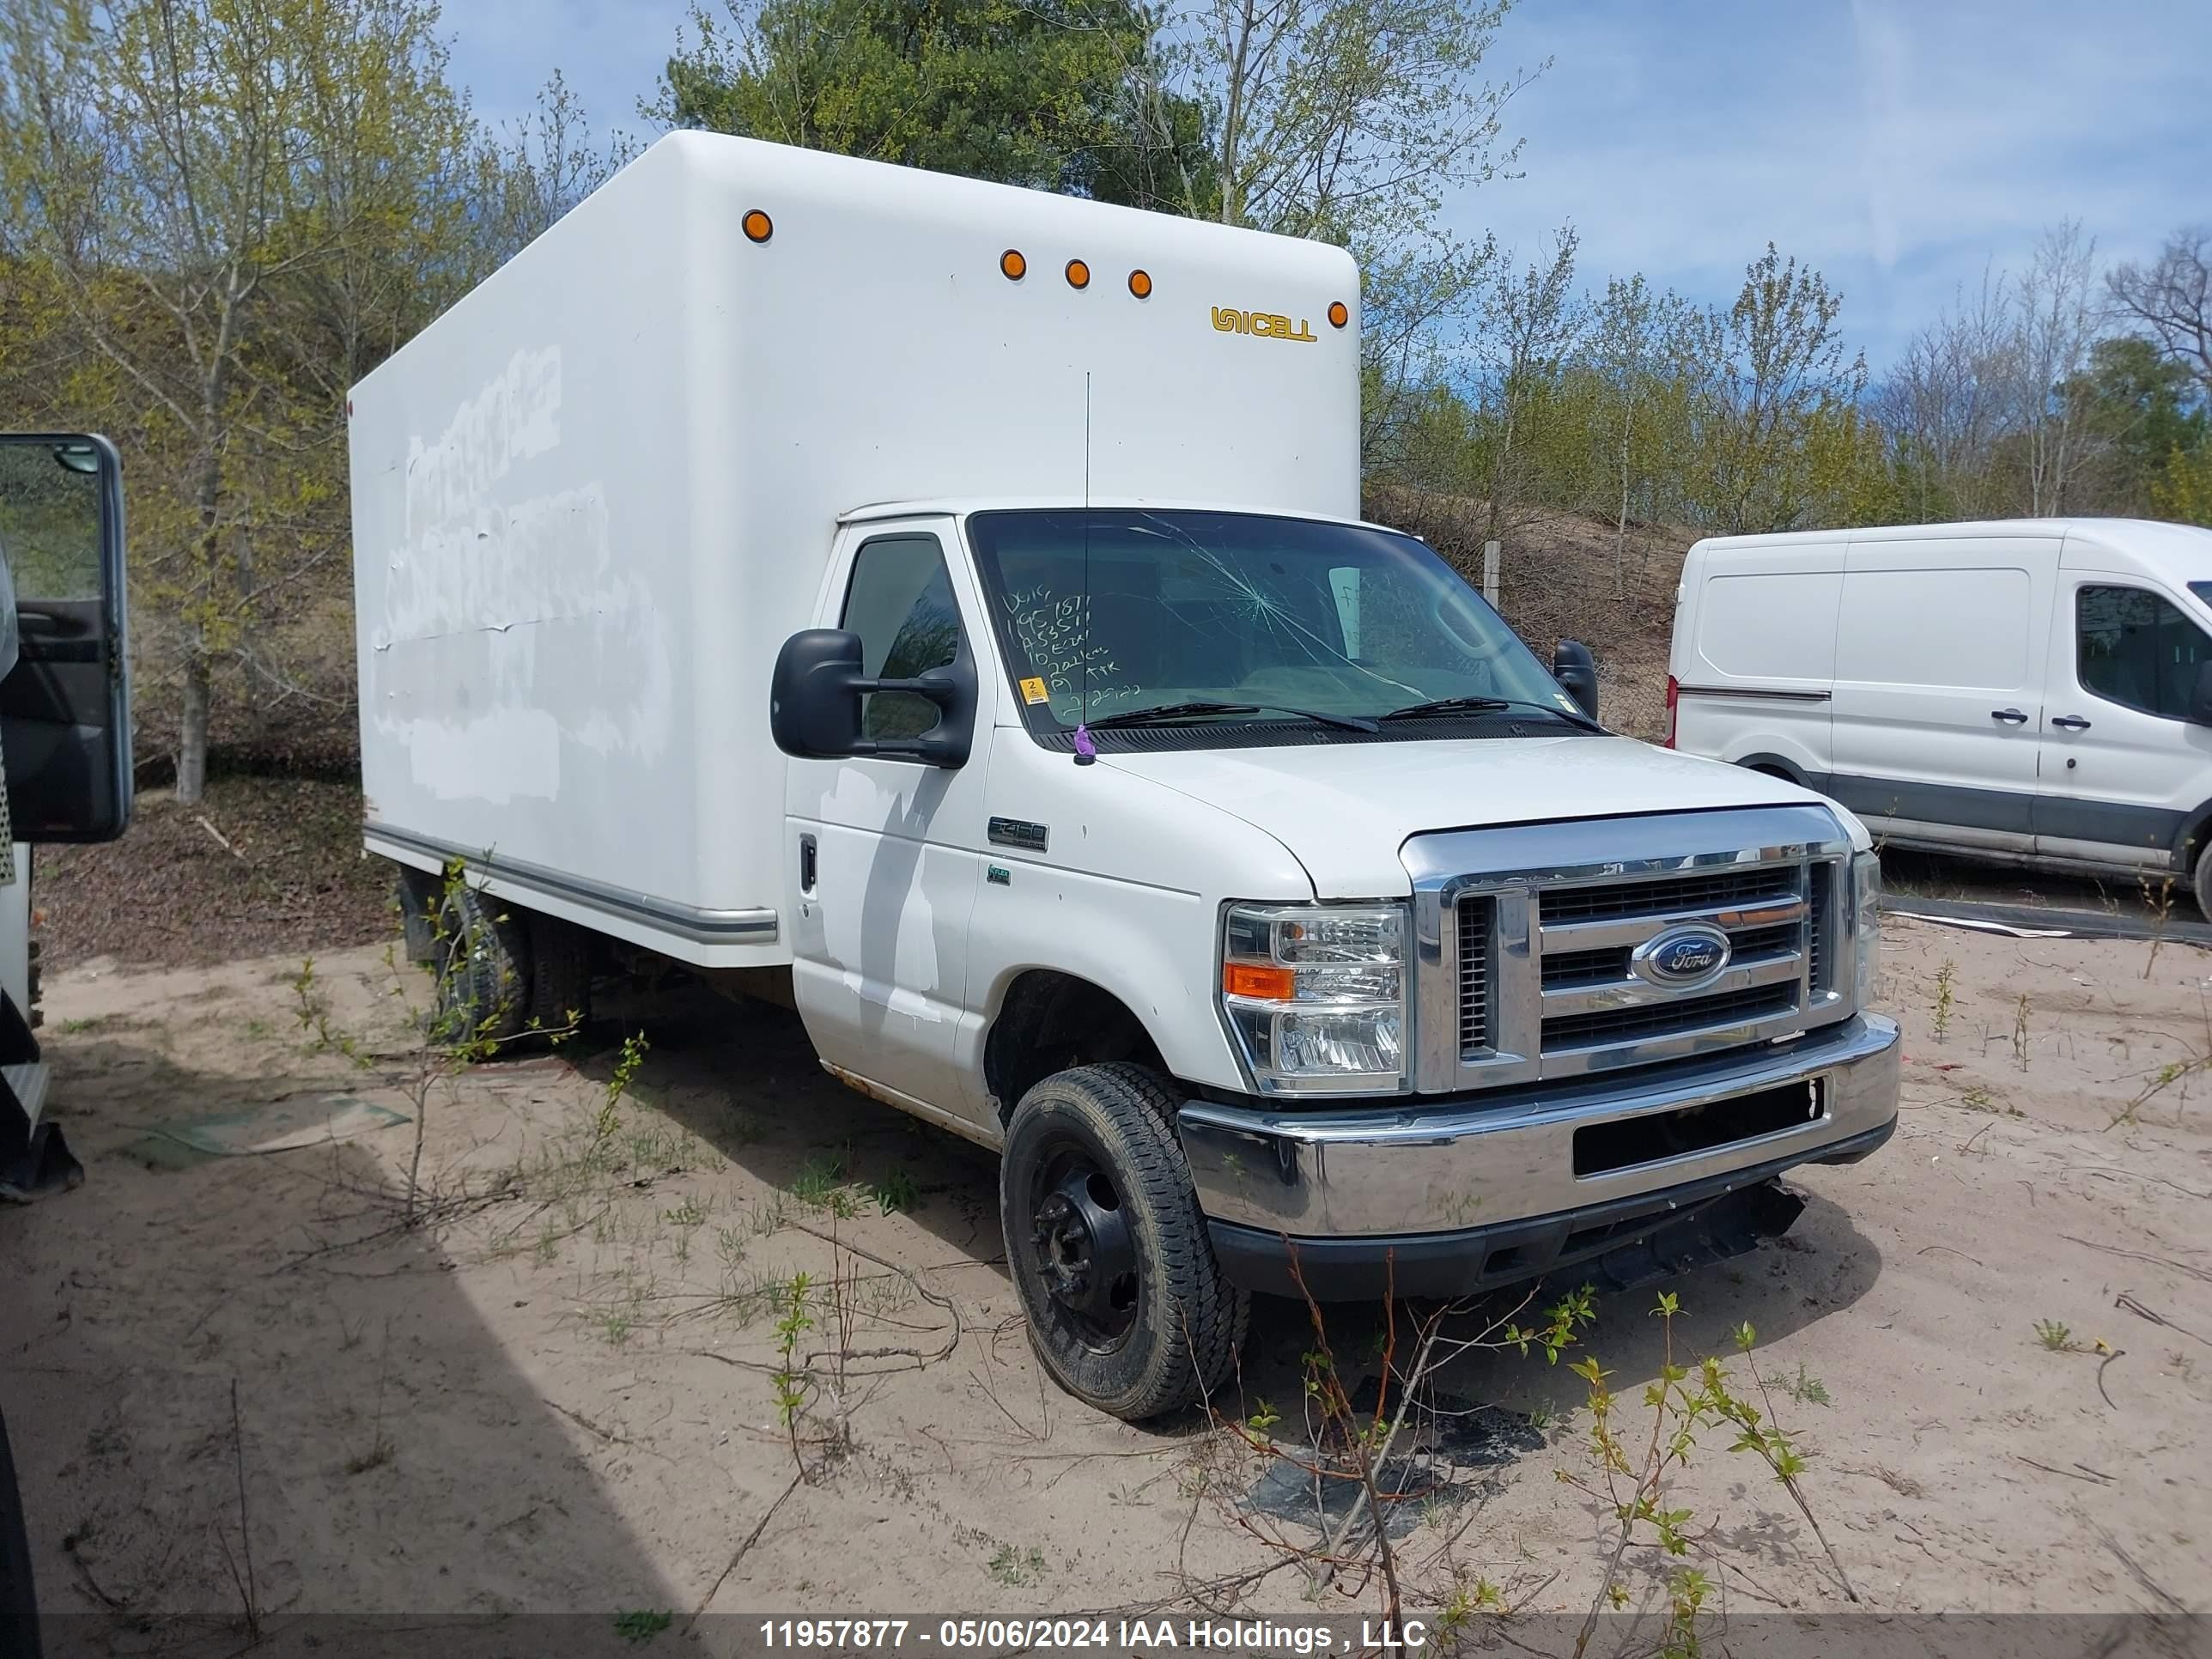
1674 707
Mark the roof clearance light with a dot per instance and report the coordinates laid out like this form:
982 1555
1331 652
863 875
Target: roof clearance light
1012 267
1078 274
1338 316
758 226
1140 285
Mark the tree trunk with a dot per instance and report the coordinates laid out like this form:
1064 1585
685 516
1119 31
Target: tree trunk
192 733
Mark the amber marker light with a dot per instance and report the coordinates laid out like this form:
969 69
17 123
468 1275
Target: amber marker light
1140 285
1338 315
758 226
1012 267
1078 274
1246 979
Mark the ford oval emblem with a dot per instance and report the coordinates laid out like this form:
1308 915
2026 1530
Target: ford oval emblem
1682 957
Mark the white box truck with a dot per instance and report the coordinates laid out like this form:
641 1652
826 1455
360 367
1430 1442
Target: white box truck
944 606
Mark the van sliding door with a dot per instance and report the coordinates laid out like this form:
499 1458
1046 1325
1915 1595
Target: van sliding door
1938 708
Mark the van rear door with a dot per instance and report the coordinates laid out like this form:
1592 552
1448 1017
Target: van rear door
1754 654
1938 704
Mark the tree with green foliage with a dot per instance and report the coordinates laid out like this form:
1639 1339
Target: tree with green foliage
1774 368
2138 409
1047 94
200 184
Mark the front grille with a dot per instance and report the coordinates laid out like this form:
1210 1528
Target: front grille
1565 970
1598 1007
1563 949
1765 944
1819 949
1474 926
1664 896
1609 1026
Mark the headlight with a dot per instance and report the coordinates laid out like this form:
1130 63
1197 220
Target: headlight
1866 927
1316 994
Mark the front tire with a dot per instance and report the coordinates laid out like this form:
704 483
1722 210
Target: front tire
1107 1247
2203 879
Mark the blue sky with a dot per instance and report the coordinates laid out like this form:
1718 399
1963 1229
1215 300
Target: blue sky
1900 147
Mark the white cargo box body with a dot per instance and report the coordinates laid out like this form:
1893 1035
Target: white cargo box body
591 502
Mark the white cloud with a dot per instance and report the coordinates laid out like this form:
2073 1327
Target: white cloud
1900 147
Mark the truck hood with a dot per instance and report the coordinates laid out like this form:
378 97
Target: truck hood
1344 809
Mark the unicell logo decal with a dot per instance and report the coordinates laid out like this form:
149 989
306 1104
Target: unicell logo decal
1261 325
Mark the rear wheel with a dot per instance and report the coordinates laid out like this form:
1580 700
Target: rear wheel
2203 881
559 974
483 969
419 894
1127 1307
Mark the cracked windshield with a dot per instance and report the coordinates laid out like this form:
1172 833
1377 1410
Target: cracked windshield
1271 616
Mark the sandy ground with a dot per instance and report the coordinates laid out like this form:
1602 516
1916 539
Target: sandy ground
554 1391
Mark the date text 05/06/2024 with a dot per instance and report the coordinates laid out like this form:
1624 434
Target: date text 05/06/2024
1241 1636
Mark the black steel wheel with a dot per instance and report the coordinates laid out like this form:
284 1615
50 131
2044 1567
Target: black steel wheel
1127 1307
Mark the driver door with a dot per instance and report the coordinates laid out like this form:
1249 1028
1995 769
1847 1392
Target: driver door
887 854
66 703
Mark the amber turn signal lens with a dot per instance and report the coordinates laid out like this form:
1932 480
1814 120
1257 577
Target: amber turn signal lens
758 225
1338 316
1078 274
1245 979
1012 267
1140 285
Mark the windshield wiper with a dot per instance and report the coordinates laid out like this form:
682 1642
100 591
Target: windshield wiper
1167 713
1486 706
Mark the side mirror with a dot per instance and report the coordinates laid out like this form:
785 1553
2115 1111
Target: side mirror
816 703
2200 696
1575 670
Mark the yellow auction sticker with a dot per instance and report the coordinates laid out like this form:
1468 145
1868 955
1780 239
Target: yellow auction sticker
1033 691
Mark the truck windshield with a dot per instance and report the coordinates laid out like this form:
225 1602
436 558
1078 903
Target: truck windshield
1171 608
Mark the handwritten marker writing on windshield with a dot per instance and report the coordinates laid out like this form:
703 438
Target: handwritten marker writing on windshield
1086 751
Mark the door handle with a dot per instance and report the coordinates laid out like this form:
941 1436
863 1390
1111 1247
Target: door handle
2070 723
2009 716
806 864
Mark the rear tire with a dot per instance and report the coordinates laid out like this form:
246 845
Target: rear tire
559 974
419 894
2204 880
484 970
1128 1309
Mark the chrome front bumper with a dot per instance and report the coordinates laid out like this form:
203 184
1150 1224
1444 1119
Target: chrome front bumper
1401 1168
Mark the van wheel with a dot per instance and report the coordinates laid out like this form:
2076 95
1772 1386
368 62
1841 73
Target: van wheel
2204 881
484 985
1128 1308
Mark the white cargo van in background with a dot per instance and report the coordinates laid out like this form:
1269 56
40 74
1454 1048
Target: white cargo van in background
942 607
2038 691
